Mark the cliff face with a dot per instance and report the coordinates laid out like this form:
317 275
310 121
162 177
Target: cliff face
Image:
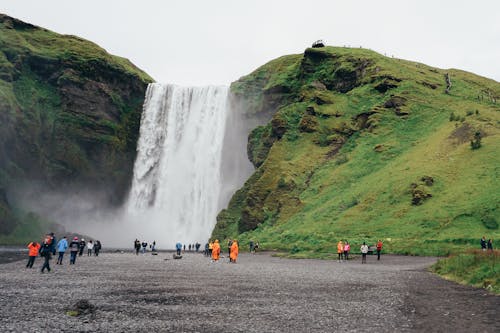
69 113
359 146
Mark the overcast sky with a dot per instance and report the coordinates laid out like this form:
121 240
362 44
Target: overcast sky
199 42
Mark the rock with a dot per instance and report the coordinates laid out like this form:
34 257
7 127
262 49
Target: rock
308 124
176 256
419 195
395 102
428 180
379 148
385 85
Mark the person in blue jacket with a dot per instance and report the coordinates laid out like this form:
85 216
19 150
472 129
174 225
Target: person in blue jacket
62 245
178 247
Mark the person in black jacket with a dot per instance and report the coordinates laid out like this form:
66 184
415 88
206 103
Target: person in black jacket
82 247
46 252
97 247
74 247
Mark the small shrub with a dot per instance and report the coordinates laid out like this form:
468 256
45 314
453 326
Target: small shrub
489 222
476 142
469 113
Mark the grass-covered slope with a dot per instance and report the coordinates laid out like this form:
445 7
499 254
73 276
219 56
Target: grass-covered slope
69 114
362 147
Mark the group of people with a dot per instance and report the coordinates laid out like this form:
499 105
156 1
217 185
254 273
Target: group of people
344 248
486 244
213 250
138 245
50 246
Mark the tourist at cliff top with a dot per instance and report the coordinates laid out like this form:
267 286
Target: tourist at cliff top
62 245
379 248
347 248
234 251
364 251
216 250
137 246
74 247
90 247
82 247
33 249
340 250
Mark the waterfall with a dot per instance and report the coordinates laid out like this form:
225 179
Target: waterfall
177 177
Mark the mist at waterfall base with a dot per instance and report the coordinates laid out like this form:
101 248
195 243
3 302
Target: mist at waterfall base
191 157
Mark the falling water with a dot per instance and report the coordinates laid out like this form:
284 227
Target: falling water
177 181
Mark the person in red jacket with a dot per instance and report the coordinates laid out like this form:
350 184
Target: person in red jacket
33 248
379 248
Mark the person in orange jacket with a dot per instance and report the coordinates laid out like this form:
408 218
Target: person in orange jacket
215 250
379 248
33 249
234 251
340 249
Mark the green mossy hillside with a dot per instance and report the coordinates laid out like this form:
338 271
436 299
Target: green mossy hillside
69 114
361 147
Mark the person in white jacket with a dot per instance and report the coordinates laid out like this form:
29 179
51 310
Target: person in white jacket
90 247
364 251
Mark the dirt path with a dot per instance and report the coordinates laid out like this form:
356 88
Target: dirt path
258 294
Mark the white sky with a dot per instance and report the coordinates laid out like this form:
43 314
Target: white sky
199 42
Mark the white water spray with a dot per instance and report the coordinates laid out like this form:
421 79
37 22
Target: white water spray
177 181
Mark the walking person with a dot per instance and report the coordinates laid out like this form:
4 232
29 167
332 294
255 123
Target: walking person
90 247
33 249
347 248
483 243
82 246
379 248
97 247
364 251
234 251
137 246
229 244
178 248
74 247
46 253
490 244
340 250
62 245
215 250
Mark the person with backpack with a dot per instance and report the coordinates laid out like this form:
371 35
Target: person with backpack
33 249
364 251
62 245
46 252
82 247
97 247
74 247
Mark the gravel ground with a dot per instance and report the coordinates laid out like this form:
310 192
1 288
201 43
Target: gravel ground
261 293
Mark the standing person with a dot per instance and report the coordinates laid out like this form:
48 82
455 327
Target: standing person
229 244
210 248
144 246
483 243
234 251
61 248
347 248
178 248
153 246
206 250
53 243
137 246
216 250
490 244
46 252
90 247
82 246
256 247
340 250
33 249
74 247
364 251
184 248
251 246
97 247
379 248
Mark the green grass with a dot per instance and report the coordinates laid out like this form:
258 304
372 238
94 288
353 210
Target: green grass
352 181
475 268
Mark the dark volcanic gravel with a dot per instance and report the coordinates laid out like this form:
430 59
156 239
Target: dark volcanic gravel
122 292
